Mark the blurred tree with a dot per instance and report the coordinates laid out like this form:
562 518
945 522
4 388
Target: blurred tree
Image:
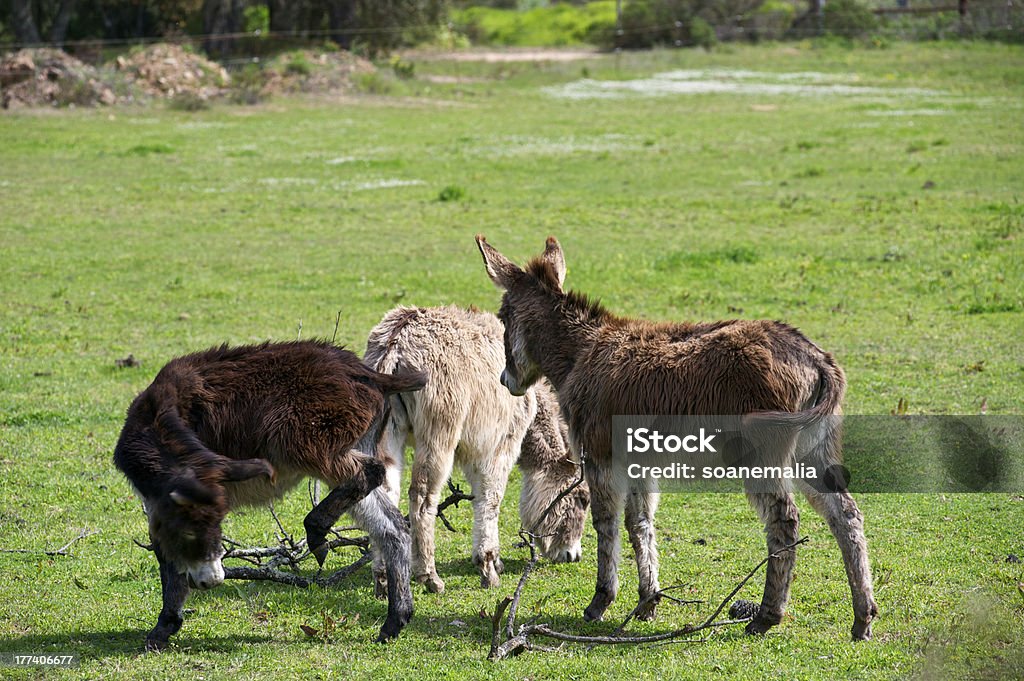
23 23
286 15
374 26
27 16
386 24
222 21
341 20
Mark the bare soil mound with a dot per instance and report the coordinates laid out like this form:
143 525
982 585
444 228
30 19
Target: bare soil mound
36 77
314 72
165 70
47 77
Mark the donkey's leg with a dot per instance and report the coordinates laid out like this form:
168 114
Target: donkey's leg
391 489
606 501
318 522
488 477
641 504
392 446
174 588
380 517
782 525
431 468
847 525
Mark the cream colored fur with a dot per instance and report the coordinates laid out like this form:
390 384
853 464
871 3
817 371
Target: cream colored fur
465 416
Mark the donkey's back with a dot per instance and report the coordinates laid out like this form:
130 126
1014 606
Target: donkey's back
726 367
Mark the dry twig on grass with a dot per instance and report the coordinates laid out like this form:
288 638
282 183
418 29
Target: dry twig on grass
62 551
269 563
518 639
453 499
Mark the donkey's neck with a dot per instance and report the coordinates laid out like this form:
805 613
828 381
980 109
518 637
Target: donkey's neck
569 324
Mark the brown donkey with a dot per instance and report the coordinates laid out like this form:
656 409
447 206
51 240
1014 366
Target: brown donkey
602 365
230 427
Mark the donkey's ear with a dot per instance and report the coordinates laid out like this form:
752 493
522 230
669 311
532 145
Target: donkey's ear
502 271
553 255
182 499
246 469
188 491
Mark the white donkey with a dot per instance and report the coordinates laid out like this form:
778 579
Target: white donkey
464 415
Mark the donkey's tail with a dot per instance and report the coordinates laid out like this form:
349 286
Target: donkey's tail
829 400
407 381
383 355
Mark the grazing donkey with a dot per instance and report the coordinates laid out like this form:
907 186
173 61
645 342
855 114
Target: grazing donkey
465 416
241 426
602 365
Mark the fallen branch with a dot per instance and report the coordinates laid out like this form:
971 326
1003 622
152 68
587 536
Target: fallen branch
62 551
266 561
529 537
520 640
269 574
269 563
453 499
657 596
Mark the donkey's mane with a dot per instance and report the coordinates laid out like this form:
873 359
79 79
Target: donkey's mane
544 273
589 309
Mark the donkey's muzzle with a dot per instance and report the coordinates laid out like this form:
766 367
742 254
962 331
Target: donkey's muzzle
511 384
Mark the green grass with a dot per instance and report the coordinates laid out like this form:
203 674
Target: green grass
887 227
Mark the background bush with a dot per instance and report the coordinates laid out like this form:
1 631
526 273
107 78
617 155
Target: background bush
555 25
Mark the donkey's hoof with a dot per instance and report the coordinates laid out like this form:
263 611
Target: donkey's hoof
861 631
759 625
154 645
862 625
595 611
317 543
433 583
489 579
320 553
647 611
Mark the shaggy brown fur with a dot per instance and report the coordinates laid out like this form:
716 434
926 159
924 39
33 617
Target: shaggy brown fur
234 426
602 365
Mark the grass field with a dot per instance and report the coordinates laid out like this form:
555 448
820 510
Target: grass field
879 209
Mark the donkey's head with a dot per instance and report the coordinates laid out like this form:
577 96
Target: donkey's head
184 521
548 469
519 310
558 532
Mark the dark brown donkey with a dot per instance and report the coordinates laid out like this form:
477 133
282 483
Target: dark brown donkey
602 365
236 426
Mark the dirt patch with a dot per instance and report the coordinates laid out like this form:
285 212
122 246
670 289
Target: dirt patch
45 77
507 55
165 70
